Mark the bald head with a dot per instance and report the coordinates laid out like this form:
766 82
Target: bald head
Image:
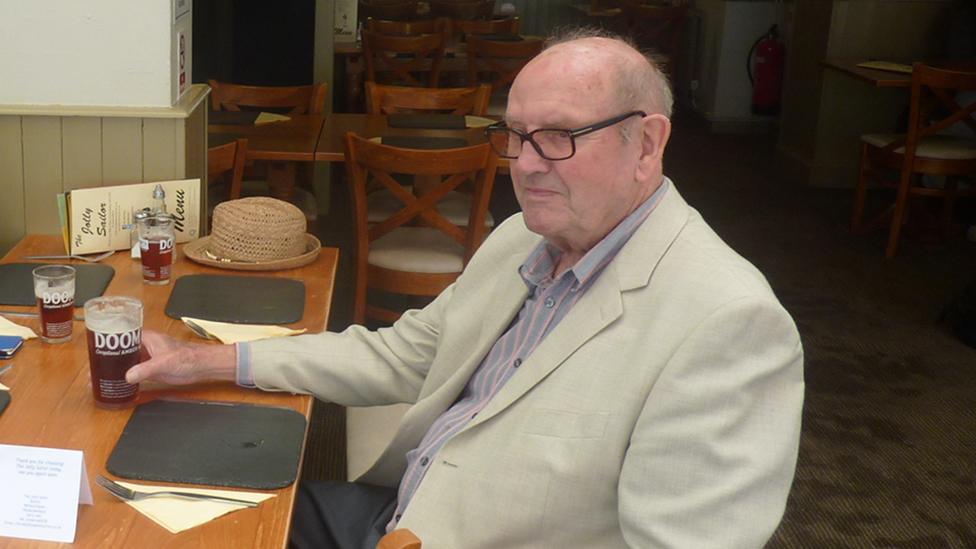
592 61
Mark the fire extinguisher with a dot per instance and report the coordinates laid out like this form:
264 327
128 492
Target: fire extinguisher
768 79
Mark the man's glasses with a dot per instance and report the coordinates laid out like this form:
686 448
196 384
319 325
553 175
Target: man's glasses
550 143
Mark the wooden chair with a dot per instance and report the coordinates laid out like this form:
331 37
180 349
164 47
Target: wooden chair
382 99
922 150
464 27
289 99
225 166
462 9
392 10
407 28
658 30
406 57
401 538
497 63
416 251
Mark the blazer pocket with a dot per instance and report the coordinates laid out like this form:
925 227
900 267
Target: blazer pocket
564 424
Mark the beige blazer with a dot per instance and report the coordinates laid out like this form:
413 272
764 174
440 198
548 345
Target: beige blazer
663 411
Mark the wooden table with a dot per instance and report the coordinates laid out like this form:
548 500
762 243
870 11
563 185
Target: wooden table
875 77
332 142
280 144
52 406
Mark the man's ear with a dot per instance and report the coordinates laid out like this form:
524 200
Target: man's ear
654 138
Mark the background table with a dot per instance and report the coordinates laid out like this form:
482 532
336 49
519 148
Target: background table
280 144
52 406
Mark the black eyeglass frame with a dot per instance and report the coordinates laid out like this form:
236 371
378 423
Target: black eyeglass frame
573 134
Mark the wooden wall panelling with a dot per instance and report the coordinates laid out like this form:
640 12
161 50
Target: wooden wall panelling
81 152
159 148
12 218
121 151
42 173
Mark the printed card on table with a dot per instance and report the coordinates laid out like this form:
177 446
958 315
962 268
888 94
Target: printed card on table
42 488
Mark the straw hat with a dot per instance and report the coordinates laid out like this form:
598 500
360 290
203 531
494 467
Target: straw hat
255 234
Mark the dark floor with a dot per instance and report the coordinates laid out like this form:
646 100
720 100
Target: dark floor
888 442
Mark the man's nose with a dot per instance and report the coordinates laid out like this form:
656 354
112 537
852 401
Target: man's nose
530 161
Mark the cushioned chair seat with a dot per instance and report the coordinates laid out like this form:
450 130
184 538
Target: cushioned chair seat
455 207
943 147
418 250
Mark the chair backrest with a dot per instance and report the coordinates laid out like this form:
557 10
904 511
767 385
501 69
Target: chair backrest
500 60
406 57
933 109
382 99
462 9
392 10
406 28
290 99
657 29
507 25
449 168
225 161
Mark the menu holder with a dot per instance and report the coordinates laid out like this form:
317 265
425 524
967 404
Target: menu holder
17 282
423 142
427 121
211 443
237 299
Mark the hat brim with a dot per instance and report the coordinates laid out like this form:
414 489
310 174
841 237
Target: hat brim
196 250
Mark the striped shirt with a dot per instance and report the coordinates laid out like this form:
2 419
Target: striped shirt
550 300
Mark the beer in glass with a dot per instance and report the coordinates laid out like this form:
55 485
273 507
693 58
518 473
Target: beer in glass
114 326
54 288
157 241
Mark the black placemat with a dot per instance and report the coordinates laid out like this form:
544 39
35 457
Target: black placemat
4 400
233 118
237 299
427 121
213 443
17 282
423 142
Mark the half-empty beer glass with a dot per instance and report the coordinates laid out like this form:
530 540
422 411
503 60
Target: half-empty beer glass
157 246
114 336
54 288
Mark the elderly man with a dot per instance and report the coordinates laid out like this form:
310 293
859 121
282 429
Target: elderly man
605 373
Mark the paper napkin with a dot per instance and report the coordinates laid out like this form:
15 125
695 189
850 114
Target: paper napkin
9 328
177 514
267 117
236 333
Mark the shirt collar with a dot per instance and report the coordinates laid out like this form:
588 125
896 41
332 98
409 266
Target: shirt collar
542 260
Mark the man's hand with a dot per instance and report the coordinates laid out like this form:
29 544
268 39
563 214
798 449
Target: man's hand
180 363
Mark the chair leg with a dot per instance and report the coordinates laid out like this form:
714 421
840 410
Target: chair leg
861 191
898 217
948 205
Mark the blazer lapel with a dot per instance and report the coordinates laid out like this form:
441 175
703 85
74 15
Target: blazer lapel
601 305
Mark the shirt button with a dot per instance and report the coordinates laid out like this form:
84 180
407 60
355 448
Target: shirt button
550 302
424 461
517 363
397 518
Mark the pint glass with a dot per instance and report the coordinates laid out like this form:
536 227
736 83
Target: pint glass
157 240
54 288
114 327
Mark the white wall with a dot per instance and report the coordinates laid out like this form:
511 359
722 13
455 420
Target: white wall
89 52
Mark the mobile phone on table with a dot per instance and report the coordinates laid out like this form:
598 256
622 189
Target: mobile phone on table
9 345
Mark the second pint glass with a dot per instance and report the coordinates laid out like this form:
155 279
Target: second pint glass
54 288
114 327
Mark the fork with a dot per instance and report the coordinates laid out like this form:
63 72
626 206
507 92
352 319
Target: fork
85 258
129 494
